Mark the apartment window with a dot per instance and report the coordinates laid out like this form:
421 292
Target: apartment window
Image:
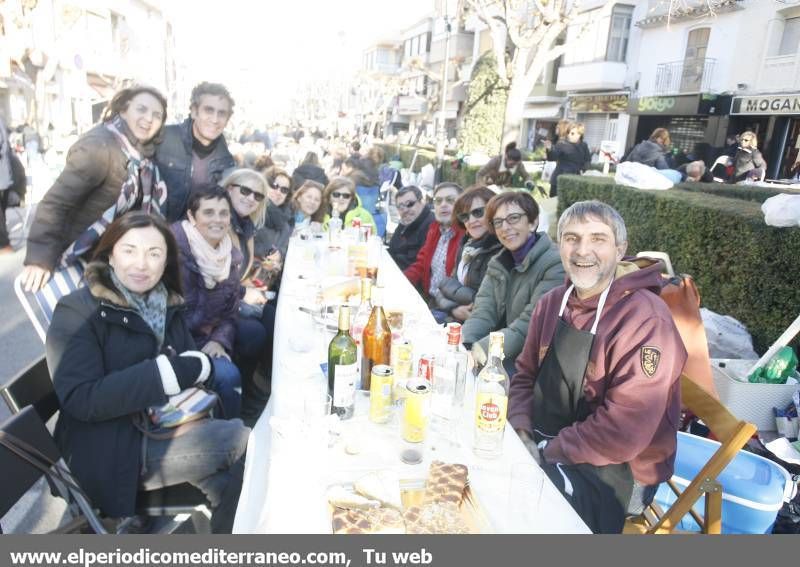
791 37
407 48
415 46
619 33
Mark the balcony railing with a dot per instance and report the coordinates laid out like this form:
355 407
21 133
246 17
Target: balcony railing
687 76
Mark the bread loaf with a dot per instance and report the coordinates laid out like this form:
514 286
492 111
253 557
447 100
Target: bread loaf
377 521
446 483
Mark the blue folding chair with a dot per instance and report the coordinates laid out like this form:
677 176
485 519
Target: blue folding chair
39 305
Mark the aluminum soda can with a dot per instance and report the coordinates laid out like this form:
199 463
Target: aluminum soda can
425 367
380 393
416 411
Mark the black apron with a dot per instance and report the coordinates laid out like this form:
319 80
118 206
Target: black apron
600 494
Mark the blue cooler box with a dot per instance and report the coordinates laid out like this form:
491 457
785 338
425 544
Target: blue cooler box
754 488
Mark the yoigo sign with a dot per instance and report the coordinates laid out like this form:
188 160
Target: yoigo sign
655 104
777 104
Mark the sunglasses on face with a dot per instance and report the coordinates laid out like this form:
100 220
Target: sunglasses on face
407 205
511 219
474 213
439 200
338 195
282 188
246 192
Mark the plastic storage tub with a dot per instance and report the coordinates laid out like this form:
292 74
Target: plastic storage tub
753 488
749 402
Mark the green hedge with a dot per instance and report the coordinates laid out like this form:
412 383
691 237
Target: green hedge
742 267
743 192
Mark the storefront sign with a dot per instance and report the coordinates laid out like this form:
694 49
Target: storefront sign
674 105
599 103
779 104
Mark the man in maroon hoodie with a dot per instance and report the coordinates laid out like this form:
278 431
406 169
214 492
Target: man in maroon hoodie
597 388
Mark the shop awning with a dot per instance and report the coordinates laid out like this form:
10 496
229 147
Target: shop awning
545 110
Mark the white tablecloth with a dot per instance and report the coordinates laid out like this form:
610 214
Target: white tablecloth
288 471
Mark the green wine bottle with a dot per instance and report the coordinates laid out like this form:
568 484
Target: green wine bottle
342 367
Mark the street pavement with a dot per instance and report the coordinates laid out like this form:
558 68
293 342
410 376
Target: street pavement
19 346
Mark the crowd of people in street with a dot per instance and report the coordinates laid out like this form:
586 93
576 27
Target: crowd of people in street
181 242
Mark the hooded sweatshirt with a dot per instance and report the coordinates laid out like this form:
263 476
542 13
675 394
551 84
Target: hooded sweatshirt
632 380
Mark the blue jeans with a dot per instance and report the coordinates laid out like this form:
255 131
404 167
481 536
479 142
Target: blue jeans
228 385
207 455
672 174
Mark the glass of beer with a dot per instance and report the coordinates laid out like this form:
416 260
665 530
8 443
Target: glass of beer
395 317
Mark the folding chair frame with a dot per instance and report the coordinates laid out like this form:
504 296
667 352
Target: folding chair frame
733 434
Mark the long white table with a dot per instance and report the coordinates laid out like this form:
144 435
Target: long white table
288 471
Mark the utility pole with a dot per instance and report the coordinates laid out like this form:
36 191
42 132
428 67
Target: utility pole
441 138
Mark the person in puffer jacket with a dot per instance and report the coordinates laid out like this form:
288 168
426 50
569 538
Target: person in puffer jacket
476 248
119 346
653 153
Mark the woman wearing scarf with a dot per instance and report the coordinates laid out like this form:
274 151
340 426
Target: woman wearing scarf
528 267
210 271
109 171
476 249
119 346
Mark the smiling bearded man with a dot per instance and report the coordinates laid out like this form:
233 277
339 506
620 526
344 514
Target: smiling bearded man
596 390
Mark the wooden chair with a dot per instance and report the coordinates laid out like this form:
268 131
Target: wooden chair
733 434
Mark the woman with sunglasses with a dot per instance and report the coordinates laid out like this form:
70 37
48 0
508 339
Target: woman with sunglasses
307 204
340 198
748 162
277 229
516 278
476 249
255 324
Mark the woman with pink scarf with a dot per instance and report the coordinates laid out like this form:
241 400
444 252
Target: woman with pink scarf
210 268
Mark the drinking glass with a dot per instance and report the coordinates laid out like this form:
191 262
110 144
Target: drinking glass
526 482
316 406
395 317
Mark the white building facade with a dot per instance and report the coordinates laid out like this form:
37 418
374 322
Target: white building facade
708 76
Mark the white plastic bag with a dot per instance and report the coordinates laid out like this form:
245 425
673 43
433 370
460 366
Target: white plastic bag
547 170
640 176
727 337
782 210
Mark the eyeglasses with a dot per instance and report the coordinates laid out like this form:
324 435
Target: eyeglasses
282 188
407 205
511 219
439 200
345 195
246 192
474 213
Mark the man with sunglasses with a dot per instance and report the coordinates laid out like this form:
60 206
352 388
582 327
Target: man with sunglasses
437 257
415 219
194 154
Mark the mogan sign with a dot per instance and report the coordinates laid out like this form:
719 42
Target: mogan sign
778 104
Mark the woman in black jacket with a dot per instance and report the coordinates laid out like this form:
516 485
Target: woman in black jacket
476 249
119 346
109 171
570 153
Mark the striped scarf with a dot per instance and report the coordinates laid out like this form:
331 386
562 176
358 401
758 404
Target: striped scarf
143 185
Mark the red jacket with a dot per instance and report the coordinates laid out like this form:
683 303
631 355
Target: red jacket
419 273
632 381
